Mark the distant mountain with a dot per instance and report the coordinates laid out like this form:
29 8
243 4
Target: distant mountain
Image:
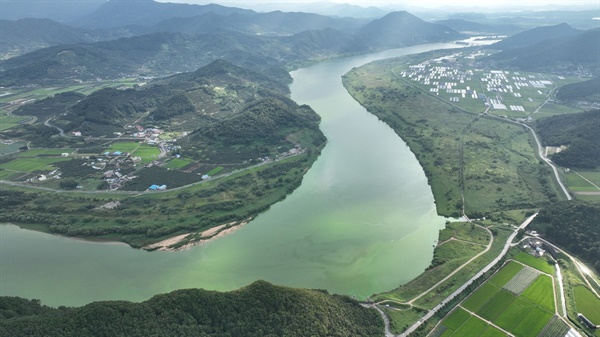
576 54
536 35
399 29
354 11
320 44
118 13
464 26
273 23
25 35
159 54
57 10
260 309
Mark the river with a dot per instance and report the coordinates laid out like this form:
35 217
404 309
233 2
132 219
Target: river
363 221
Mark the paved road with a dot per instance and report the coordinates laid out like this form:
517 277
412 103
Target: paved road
47 123
433 311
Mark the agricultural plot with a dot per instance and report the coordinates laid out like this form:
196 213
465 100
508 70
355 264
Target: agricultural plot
32 164
177 163
472 327
478 299
147 153
10 148
215 170
521 281
540 264
506 273
525 310
496 305
533 323
540 292
593 176
456 319
555 328
587 304
124 147
7 122
44 152
578 184
509 319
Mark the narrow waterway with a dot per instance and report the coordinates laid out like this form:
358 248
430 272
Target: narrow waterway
363 221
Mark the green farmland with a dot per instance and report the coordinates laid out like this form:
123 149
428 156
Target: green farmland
522 315
587 303
29 165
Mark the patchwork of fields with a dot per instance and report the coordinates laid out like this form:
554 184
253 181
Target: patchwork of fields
518 300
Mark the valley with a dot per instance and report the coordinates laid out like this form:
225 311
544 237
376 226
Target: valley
451 185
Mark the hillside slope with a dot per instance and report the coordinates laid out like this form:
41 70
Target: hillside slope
400 29
536 35
575 54
579 132
260 309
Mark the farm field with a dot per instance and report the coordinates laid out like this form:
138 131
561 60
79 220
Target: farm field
147 153
506 273
523 313
540 264
177 163
125 147
32 164
587 303
578 184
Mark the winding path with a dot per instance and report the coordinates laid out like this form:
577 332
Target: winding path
433 311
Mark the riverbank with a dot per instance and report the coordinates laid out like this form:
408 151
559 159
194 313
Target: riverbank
189 240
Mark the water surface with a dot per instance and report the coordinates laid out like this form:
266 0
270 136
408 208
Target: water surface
363 221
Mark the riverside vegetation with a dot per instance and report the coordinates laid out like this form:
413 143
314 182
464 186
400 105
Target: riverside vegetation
225 119
484 167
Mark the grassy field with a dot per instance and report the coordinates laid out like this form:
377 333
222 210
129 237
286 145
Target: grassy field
523 315
125 147
481 297
492 162
577 184
587 303
215 170
506 274
496 305
147 153
7 122
538 292
32 164
177 163
44 152
540 264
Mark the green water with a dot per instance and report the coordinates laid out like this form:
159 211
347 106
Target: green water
362 222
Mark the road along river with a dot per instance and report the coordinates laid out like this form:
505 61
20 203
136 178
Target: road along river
363 221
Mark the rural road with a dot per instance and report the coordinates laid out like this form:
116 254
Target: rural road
433 311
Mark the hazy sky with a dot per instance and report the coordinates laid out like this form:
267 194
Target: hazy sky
513 4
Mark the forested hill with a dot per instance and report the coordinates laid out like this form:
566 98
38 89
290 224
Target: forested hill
573 54
579 132
587 90
260 309
401 29
536 35
574 226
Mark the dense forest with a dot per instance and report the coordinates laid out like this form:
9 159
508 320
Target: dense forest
260 309
579 132
574 226
589 89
